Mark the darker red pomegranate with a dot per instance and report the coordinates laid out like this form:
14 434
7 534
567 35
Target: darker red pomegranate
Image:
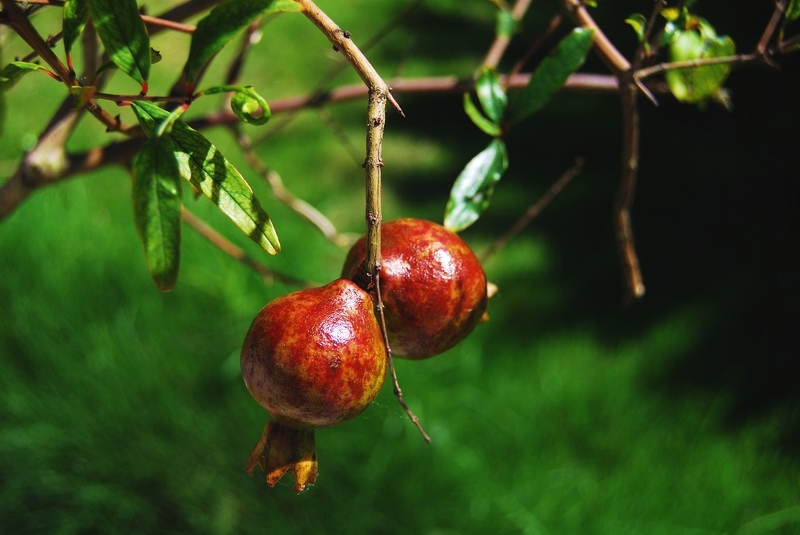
312 358
432 286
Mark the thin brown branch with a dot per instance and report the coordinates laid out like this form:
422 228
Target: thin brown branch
552 26
226 246
157 22
17 188
634 286
16 19
629 91
772 26
534 210
299 206
641 51
735 60
576 83
612 57
343 43
501 42
320 90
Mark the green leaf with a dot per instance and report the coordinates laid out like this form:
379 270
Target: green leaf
204 166
157 209
638 22
244 103
792 11
221 25
479 118
551 74
506 23
15 70
696 84
491 95
472 190
123 34
75 14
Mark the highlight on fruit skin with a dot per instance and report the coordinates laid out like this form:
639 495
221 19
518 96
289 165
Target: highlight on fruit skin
312 358
433 287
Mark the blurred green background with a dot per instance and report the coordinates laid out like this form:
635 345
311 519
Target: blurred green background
123 410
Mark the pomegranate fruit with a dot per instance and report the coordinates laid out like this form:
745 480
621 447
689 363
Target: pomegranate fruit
312 358
433 287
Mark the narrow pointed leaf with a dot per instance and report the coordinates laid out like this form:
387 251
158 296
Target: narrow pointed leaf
480 120
491 95
15 70
75 14
204 166
638 22
472 190
222 24
551 74
157 209
123 34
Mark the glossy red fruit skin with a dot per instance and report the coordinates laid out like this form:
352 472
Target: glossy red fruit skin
315 357
432 286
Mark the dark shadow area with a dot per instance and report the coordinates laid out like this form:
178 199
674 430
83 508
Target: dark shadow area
715 220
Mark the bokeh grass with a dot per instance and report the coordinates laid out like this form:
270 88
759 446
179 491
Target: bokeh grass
123 410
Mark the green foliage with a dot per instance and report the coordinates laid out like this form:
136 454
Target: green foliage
75 15
244 103
203 165
638 22
220 26
15 70
473 188
157 209
506 23
493 103
124 36
551 74
693 38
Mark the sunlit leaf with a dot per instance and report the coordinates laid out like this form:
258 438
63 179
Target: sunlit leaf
204 166
157 209
222 24
551 74
480 120
696 84
472 190
491 95
122 32
246 103
506 23
75 13
15 70
638 22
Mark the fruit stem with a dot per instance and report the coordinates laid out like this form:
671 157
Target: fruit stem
398 392
281 449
